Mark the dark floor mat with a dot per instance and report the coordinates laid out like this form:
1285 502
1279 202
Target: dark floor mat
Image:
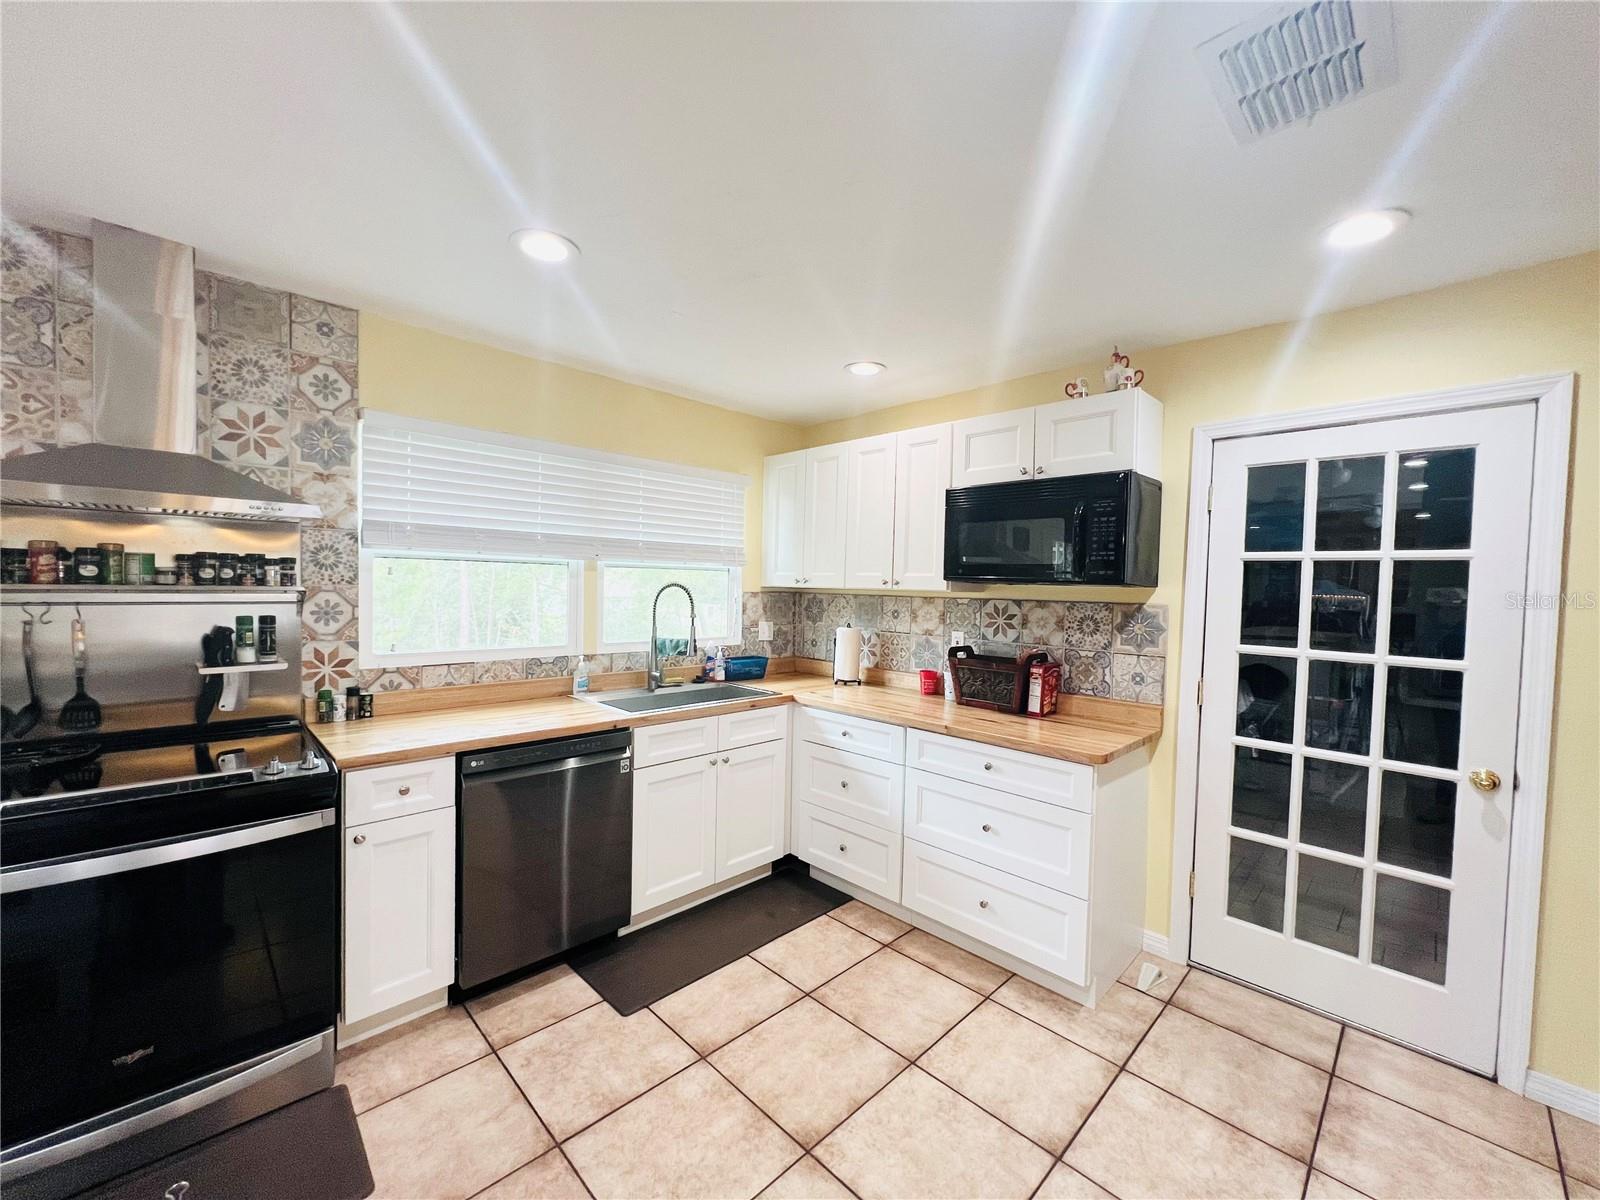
635 971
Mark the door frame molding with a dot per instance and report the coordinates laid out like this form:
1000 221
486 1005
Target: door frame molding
1552 396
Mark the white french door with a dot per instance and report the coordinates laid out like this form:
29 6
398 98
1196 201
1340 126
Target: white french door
1359 719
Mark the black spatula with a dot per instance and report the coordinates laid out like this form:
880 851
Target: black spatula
82 712
28 715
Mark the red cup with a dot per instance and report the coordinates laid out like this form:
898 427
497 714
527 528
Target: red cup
930 682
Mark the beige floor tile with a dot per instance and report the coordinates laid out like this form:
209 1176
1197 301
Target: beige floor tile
452 1137
713 1011
919 1138
1580 1147
1578 1190
382 1067
578 1070
807 1068
979 974
1143 1142
901 1003
1326 1187
1386 1149
1263 1092
1111 1028
873 922
1037 1083
813 954
1452 1095
692 1136
528 1006
1163 989
1063 1183
806 1180
548 1177
1277 1023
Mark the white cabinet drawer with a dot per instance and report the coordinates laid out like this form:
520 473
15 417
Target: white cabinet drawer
852 784
378 793
672 740
853 850
1033 775
872 738
1044 843
1037 924
752 726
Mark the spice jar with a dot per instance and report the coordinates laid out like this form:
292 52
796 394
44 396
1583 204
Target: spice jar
115 554
244 639
272 576
139 568
205 568
14 565
366 705
266 638
166 577
43 567
325 705
227 570
182 570
287 575
89 565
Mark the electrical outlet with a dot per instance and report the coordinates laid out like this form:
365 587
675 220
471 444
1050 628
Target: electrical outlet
958 637
763 631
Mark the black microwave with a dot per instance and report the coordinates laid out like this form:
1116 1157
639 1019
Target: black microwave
1084 529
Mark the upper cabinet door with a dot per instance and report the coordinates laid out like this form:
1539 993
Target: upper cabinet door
783 519
921 475
997 448
870 508
1116 431
824 539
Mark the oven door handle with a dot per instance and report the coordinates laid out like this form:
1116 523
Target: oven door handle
22 879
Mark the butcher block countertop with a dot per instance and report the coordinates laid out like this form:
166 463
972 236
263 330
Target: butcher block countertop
1087 730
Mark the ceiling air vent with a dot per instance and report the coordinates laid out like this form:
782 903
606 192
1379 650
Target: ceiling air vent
1297 61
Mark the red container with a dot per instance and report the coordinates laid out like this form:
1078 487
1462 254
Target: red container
931 681
1044 682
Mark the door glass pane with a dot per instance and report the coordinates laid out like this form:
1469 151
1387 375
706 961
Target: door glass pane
1327 910
1344 606
1255 883
1339 706
1417 823
1411 928
1433 508
1261 790
1266 697
1270 608
1428 610
1275 507
1350 503
1333 805
1422 717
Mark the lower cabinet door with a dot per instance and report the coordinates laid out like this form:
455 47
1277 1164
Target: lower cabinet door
1040 925
750 786
400 898
674 830
857 852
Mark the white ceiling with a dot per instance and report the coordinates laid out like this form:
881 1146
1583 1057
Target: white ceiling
763 192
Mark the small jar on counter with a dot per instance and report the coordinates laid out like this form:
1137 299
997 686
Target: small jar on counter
227 570
115 562
366 705
325 705
43 565
89 565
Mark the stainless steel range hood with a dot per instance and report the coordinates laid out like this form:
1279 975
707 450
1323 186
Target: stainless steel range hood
146 415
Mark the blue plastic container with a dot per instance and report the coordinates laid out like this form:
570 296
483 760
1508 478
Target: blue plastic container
747 666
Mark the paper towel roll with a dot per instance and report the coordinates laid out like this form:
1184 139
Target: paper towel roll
846 655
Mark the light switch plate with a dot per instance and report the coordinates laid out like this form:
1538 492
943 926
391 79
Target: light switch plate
763 631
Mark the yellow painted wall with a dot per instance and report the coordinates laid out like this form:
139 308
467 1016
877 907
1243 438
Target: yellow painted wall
416 372
1539 320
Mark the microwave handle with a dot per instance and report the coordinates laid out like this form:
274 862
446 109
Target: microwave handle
1080 541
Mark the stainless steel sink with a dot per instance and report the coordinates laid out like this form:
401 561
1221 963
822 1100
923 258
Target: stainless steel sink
685 695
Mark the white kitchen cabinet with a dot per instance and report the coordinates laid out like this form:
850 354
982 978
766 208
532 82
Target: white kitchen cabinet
921 475
783 519
994 448
870 496
398 790
399 920
750 807
1116 431
865 855
826 517
674 830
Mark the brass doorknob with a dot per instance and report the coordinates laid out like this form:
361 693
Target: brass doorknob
1485 780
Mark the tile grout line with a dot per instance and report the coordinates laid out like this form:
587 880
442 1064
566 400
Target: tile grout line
1322 1115
1561 1161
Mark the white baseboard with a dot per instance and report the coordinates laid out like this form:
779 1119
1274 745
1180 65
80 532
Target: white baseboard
1156 943
1558 1093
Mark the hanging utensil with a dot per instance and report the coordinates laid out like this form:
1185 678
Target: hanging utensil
82 712
30 712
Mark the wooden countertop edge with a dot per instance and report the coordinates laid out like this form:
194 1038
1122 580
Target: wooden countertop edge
809 690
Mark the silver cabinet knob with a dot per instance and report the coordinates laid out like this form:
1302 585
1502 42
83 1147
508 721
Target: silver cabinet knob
844 733
983 904
988 766
712 761
844 785
841 847
1022 470
405 789
724 760
885 583
360 839
897 583
1038 470
988 828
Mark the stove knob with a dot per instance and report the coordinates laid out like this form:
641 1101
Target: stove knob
274 766
309 761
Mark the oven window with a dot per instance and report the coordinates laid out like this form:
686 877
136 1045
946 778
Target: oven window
1039 546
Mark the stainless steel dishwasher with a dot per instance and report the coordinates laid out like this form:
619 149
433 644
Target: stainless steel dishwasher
546 851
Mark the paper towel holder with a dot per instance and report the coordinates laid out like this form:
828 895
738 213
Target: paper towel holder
847 666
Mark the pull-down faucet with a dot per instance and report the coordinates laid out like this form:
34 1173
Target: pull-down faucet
652 675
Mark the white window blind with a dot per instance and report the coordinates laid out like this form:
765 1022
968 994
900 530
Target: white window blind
442 488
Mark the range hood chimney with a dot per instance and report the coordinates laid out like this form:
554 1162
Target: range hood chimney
146 414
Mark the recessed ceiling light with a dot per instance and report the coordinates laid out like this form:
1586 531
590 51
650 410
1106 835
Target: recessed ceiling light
1415 462
864 368
542 245
1364 228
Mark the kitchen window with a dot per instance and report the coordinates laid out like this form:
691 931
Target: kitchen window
628 589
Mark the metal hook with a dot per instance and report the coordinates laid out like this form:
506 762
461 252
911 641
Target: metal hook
78 608
43 618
